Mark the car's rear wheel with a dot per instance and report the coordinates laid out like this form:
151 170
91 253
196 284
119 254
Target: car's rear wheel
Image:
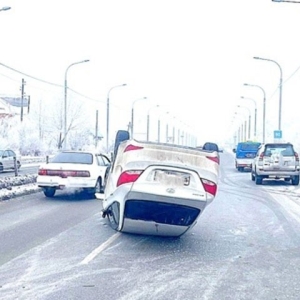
258 179
98 187
49 192
295 180
252 176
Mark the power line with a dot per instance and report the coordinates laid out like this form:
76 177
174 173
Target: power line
47 82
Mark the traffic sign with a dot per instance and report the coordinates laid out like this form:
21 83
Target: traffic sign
277 134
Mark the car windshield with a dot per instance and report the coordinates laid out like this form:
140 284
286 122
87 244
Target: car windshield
249 147
73 158
1 152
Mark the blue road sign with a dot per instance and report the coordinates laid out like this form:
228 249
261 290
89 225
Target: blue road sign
277 134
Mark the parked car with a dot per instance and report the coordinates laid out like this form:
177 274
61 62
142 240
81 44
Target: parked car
74 170
9 160
244 154
156 188
276 161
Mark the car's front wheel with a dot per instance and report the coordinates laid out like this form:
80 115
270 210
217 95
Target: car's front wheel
295 180
49 192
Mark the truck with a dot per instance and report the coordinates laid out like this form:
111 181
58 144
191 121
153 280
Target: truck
244 154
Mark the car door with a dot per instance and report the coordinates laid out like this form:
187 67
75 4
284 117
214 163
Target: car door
12 158
6 162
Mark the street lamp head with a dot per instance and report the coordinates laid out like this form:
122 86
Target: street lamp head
124 84
86 60
5 8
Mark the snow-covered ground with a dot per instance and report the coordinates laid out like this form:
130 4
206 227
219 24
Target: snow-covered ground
11 187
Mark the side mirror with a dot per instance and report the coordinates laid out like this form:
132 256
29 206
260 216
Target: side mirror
234 150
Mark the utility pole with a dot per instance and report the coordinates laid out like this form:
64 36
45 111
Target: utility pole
22 98
28 104
96 130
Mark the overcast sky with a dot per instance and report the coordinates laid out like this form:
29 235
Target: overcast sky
190 57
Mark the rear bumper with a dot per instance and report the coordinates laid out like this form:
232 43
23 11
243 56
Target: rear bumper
64 183
278 174
244 162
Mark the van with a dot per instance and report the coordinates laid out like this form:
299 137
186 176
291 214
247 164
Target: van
244 154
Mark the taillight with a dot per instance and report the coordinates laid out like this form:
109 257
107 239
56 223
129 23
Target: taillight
63 173
132 147
129 176
42 172
296 156
214 158
209 186
261 156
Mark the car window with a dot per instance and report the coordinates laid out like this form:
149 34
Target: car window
279 149
249 146
5 153
73 157
1 153
11 153
100 160
210 147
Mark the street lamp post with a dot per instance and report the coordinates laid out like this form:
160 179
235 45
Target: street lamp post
107 112
132 114
66 89
249 120
158 125
148 120
243 127
264 109
255 114
280 88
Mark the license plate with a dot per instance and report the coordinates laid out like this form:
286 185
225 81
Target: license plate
172 177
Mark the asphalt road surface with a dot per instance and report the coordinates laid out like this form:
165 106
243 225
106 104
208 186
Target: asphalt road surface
246 245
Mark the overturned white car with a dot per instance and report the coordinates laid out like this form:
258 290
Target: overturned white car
158 189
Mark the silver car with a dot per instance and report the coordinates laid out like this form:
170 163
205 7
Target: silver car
276 161
9 160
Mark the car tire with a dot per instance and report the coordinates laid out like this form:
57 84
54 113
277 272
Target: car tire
258 179
112 214
295 180
1 168
98 186
252 176
122 135
49 192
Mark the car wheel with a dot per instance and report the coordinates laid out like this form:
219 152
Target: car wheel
252 176
113 213
49 192
240 169
1 168
122 135
258 179
295 180
98 187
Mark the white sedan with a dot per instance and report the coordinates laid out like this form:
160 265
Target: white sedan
74 170
158 189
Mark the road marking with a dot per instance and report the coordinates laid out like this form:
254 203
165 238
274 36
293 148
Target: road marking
99 249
